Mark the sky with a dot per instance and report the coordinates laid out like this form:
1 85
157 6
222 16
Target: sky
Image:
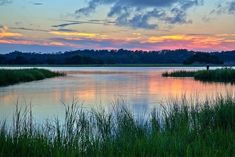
64 25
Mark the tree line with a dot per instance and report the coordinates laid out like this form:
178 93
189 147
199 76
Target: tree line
180 56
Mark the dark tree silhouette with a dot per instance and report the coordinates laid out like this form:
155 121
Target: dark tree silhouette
119 57
203 58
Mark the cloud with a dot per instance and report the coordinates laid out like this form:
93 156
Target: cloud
37 3
29 29
205 42
4 2
67 24
155 39
66 33
4 32
70 23
231 7
200 42
221 8
143 14
64 30
27 41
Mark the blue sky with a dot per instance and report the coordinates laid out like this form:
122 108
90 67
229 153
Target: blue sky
51 26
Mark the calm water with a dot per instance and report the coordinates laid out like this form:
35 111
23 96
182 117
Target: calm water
141 88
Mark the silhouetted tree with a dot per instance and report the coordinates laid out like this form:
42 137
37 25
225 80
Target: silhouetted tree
204 58
119 57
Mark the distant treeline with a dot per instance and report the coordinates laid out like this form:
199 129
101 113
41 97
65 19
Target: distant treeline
121 56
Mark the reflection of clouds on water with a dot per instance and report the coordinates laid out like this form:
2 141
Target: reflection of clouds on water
142 88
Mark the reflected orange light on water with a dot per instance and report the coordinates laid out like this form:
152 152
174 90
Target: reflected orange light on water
143 87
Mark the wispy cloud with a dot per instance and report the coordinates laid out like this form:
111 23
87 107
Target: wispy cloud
27 41
72 22
223 7
81 34
71 39
203 42
4 32
4 2
29 29
37 3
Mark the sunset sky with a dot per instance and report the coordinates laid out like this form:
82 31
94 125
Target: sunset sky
61 25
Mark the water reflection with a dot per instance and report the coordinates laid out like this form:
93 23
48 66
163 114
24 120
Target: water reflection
142 88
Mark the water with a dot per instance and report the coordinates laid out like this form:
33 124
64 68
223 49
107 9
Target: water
142 88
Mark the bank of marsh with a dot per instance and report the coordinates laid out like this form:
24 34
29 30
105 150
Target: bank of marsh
13 76
218 75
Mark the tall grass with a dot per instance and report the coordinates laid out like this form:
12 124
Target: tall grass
181 129
179 74
8 77
218 75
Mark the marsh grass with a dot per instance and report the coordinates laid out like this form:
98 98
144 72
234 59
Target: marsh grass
179 74
180 129
8 77
218 75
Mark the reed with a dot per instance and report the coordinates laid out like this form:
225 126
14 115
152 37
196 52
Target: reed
183 128
218 75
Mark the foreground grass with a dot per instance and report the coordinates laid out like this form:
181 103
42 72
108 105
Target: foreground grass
218 75
182 129
8 77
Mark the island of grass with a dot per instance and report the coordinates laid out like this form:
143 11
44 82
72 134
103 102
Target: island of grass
182 129
225 75
13 76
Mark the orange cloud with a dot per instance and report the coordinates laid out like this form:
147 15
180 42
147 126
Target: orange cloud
135 41
225 35
30 42
155 39
2 41
90 35
5 33
21 42
194 40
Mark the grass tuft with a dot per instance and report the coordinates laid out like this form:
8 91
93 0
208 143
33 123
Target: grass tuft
181 129
218 75
9 77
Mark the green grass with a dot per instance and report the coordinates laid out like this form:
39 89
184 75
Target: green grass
218 75
9 77
182 129
179 74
